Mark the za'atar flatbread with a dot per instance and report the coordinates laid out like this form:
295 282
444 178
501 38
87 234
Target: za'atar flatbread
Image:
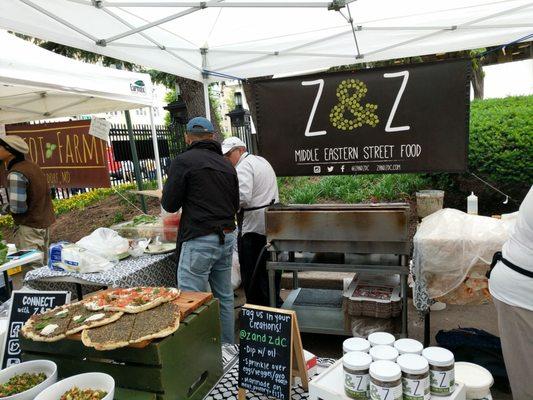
51 325
131 300
54 325
158 322
111 336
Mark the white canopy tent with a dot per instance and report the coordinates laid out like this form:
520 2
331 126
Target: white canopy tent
217 39
37 84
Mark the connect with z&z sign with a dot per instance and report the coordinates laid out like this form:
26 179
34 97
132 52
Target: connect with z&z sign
410 118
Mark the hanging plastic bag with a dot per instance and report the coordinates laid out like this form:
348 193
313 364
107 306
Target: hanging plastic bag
235 270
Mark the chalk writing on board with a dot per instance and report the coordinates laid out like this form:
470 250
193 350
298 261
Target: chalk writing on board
265 352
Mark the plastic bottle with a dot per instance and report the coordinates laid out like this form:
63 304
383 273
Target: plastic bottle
471 204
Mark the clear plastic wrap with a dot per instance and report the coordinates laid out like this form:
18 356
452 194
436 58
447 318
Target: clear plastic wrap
449 243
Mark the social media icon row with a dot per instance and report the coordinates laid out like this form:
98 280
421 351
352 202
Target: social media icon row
317 169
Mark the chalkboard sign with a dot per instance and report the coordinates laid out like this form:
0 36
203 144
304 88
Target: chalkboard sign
267 341
23 305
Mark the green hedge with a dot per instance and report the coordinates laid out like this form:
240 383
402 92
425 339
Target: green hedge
500 152
501 140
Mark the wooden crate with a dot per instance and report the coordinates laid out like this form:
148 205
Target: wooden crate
185 365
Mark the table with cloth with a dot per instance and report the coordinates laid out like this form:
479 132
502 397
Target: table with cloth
147 270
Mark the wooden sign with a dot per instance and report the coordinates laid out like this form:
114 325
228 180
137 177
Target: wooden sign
67 154
24 304
270 353
407 118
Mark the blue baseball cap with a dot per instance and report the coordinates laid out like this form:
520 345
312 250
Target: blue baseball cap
200 125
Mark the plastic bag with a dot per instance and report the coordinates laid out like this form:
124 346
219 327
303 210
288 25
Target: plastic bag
235 270
105 242
449 243
75 258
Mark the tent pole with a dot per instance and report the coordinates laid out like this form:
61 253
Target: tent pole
136 166
156 151
206 100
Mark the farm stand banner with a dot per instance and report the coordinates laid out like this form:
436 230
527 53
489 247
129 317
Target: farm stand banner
410 118
67 154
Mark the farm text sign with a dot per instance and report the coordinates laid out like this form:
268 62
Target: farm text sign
411 118
67 154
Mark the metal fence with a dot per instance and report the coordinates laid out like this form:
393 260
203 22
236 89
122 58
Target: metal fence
244 132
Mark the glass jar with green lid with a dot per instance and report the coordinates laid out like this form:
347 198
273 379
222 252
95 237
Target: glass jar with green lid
441 370
385 381
415 376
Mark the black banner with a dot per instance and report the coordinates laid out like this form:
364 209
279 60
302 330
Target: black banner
410 118
23 306
265 352
145 149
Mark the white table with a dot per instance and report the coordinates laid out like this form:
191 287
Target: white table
34 256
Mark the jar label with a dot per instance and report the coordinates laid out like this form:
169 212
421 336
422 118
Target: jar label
385 393
442 382
356 386
416 389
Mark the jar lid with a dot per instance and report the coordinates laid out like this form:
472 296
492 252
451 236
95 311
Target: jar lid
386 371
380 352
408 346
356 360
413 364
355 344
438 356
381 338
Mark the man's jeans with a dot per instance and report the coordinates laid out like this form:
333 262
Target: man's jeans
204 260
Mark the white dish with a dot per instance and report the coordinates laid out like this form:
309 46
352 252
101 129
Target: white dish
31 367
160 248
91 380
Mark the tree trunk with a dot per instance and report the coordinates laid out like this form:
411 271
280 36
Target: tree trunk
478 79
192 93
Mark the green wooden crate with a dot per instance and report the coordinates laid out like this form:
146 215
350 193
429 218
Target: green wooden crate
183 366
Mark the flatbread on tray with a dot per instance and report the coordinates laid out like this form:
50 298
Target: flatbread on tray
51 325
158 322
56 324
131 300
111 336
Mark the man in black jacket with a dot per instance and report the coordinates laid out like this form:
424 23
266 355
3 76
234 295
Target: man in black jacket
205 186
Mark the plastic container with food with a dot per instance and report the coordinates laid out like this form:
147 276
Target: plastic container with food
441 370
415 376
26 380
149 227
385 381
356 377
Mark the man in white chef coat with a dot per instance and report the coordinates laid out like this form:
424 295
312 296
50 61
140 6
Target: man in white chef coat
258 189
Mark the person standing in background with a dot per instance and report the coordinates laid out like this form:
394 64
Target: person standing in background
258 189
30 203
511 286
205 186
